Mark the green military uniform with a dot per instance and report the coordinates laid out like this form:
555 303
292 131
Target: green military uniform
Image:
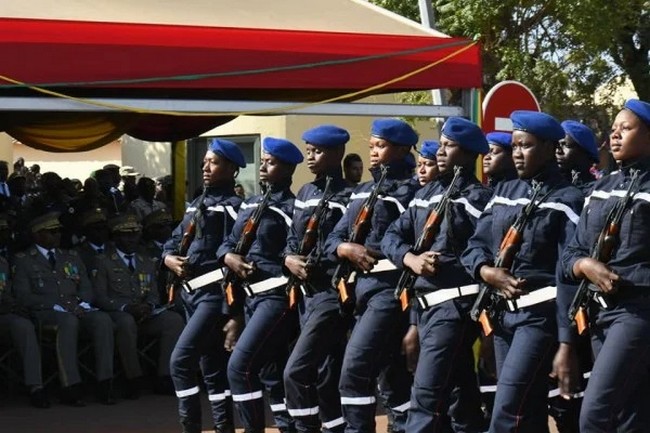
115 287
20 329
52 294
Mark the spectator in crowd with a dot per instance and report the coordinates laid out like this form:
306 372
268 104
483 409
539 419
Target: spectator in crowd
352 169
145 203
128 187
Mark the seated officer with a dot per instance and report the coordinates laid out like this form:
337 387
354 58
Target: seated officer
15 323
125 287
156 230
52 283
94 228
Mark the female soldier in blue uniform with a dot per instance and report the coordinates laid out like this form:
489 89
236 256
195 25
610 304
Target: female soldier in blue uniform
313 370
380 322
497 164
446 332
200 344
427 167
576 154
616 398
262 349
525 336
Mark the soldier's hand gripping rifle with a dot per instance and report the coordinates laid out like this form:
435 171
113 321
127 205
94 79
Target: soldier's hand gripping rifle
602 251
358 235
407 280
308 242
184 245
244 245
487 299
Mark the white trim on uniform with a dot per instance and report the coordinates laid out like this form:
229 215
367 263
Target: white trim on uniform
403 407
304 412
573 217
187 392
313 202
287 218
358 401
219 397
334 423
247 397
400 206
468 207
280 407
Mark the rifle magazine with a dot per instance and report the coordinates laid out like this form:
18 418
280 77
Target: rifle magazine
486 325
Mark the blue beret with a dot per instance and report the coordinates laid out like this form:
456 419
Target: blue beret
410 162
640 108
466 133
326 136
541 125
503 139
429 149
282 149
394 130
228 150
583 135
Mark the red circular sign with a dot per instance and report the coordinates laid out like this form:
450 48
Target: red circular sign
502 100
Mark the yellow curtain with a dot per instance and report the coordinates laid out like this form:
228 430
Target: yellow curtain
67 132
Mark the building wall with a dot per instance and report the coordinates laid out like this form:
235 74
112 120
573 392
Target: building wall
73 165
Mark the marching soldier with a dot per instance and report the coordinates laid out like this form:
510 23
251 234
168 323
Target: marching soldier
543 208
498 165
618 305
53 284
312 372
576 154
427 168
443 291
202 344
380 323
262 350
124 283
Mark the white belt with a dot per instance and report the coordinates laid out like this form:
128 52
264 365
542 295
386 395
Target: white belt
265 285
203 280
383 265
444 295
535 297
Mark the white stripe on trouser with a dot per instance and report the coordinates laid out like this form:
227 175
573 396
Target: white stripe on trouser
219 397
280 407
403 407
187 392
334 423
488 389
246 397
303 412
358 401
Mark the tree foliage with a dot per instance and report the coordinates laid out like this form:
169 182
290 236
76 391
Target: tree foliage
565 51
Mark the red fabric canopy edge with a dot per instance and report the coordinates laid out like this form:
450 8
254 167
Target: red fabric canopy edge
51 51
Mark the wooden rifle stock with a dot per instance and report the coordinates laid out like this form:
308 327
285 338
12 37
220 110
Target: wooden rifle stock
244 245
425 241
309 240
358 235
487 300
183 248
602 251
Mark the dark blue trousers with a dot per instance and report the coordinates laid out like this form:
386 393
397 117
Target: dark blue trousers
617 398
312 373
376 336
200 346
259 359
445 364
525 343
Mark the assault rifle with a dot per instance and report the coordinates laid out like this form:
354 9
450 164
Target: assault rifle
601 251
245 243
358 235
407 280
487 299
307 244
184 245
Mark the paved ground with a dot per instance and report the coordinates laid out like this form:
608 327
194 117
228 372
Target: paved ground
150 414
